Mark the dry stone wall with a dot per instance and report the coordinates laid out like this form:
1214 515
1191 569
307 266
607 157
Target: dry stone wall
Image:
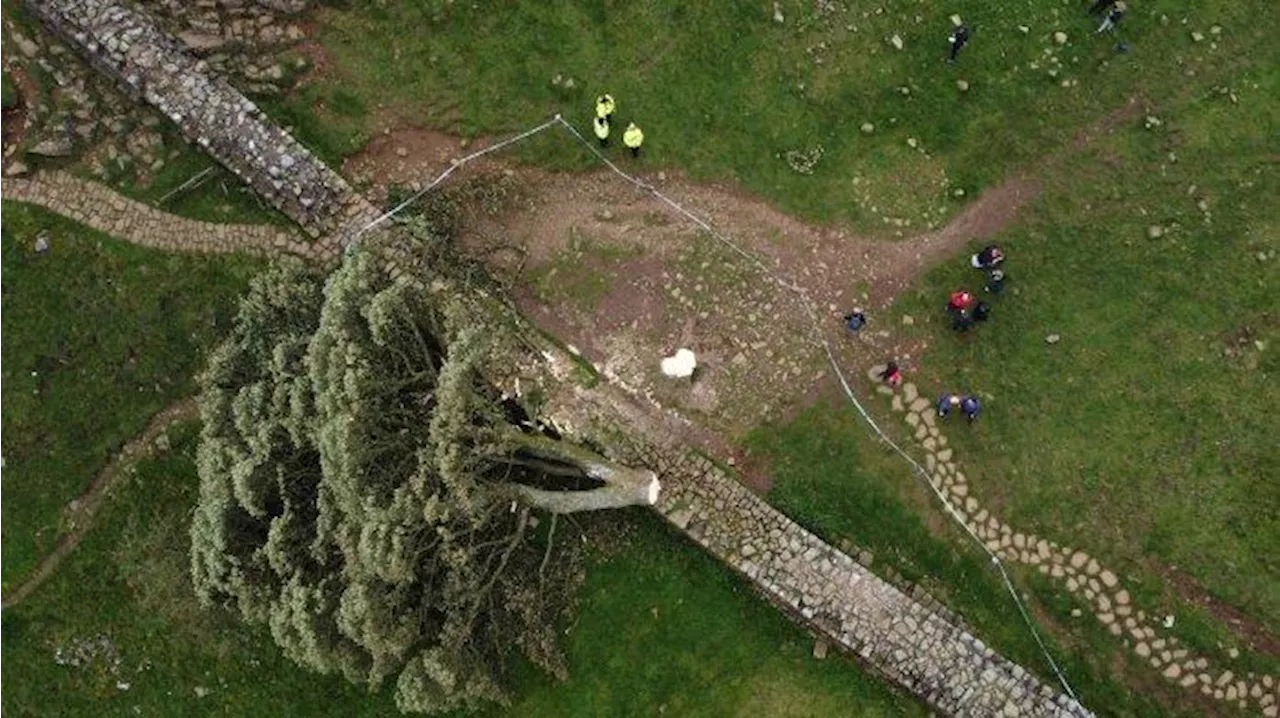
150 65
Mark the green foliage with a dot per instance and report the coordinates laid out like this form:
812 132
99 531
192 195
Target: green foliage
355 491
98 337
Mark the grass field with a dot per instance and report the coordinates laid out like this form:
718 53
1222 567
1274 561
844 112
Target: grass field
726 93
663 628
98 336
1146 434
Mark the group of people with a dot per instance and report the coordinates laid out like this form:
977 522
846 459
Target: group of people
632 137
964 308
967 404
1111 11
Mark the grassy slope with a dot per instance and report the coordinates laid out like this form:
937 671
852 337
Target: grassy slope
661 625
1146 436
98 336
725 93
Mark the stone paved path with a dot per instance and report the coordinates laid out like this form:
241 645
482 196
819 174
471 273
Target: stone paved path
103 209
1083 575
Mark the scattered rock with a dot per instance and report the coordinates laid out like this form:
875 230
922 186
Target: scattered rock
868 128
962 85
1168 621
908 320
1197 36
16 169
913 142
680 365
26 45
1060 37
1155 231
1172 671
201 691
201 43
820 648
57 146
42 244
896 41
1053 339
777 13
402 152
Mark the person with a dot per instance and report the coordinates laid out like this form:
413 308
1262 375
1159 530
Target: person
981 312
1113 16
605 107
854 321
989 258
633 138
961 321
995 281
892 374
960 301
971 407
958 40
601 126
946 403
1100 6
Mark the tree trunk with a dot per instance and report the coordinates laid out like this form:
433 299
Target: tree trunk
623 485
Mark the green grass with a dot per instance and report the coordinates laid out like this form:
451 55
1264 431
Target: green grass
831 477
725 93
662 628
1146 435
98 337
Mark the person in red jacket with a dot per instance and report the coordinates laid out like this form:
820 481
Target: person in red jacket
892 375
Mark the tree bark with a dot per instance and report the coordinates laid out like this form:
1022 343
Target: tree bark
623 485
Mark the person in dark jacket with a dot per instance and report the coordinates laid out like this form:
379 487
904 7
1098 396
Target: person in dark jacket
995 281
946 403
958 40
892 374
1113 16
854 321
989 258
971 407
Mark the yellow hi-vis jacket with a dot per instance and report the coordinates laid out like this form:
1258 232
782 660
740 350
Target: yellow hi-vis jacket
633 137
602 128
604 105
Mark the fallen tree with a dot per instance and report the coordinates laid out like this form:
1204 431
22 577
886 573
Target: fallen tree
370 498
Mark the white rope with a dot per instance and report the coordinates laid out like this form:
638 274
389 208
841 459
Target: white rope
455 164
816 324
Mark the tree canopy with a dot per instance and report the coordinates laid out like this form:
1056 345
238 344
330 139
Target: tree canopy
368 497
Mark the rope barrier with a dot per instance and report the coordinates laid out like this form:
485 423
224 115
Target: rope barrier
815 326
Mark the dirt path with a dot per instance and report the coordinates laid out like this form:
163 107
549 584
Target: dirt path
626 279
84 510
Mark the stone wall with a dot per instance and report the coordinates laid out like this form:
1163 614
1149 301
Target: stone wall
152 66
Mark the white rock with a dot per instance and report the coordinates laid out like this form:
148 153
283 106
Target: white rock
896 41
1060 37
681 365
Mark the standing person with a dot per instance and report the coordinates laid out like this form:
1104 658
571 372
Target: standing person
971 407
633 138
892 375
854 321
958 40
1113 16
601 126
989 258
959 301
605 107
946 403
981 312
1100 6
995 281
